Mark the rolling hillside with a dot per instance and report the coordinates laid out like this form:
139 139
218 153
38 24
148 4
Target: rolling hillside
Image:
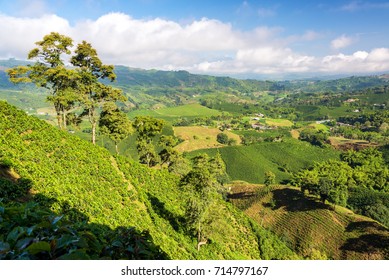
100 195
249 163
313 229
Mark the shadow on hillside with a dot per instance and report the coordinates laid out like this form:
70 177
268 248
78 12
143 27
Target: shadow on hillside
12 187
372 244
159 208
368 226
67 232
293 200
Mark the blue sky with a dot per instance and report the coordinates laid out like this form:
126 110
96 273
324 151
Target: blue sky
263 38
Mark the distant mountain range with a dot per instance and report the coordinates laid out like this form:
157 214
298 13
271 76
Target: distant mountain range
128 77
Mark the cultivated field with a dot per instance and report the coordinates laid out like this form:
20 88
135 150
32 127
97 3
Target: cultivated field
172 113
312 228
249 163
278 122
198 137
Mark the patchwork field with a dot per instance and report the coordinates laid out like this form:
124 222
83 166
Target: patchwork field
198 137
313 229
344 143
278 122
172 113
249 163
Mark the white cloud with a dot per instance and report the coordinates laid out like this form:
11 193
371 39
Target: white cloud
362 5
358 62
341 42
18 35
202 46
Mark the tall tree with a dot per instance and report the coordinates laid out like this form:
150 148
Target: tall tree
93 92
49 72
147 128
204 185
168 154
114 123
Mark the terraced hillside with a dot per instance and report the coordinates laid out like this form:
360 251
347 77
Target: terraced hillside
313 229
98 193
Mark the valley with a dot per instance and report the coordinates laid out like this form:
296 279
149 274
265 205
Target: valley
248 160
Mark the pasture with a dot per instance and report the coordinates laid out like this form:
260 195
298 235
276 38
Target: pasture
199 137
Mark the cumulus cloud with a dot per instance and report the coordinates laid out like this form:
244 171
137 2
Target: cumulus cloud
358 62
202 46
18 35
341 42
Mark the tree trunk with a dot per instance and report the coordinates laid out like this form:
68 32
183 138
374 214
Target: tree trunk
94 133
64 119
59 119
93 122
199 242
59 114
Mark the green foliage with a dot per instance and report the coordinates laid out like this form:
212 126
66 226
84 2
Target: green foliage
222 138
317 138
270 178
30 231
370 203
205 182
121 208
49 72
359 181
93 92
146 152
329 180
114 124
148 127
249 163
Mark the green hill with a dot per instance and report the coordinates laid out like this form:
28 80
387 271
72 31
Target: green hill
249 163
312 228
189 111
119 207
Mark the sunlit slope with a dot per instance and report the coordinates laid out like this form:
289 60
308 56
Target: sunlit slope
313 229
85 182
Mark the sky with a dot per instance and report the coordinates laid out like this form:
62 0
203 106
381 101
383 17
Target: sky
230 37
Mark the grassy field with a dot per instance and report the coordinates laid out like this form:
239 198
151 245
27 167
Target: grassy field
198 137
319 126
249 163
313 229
295 133
172 113
26 100
278 122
